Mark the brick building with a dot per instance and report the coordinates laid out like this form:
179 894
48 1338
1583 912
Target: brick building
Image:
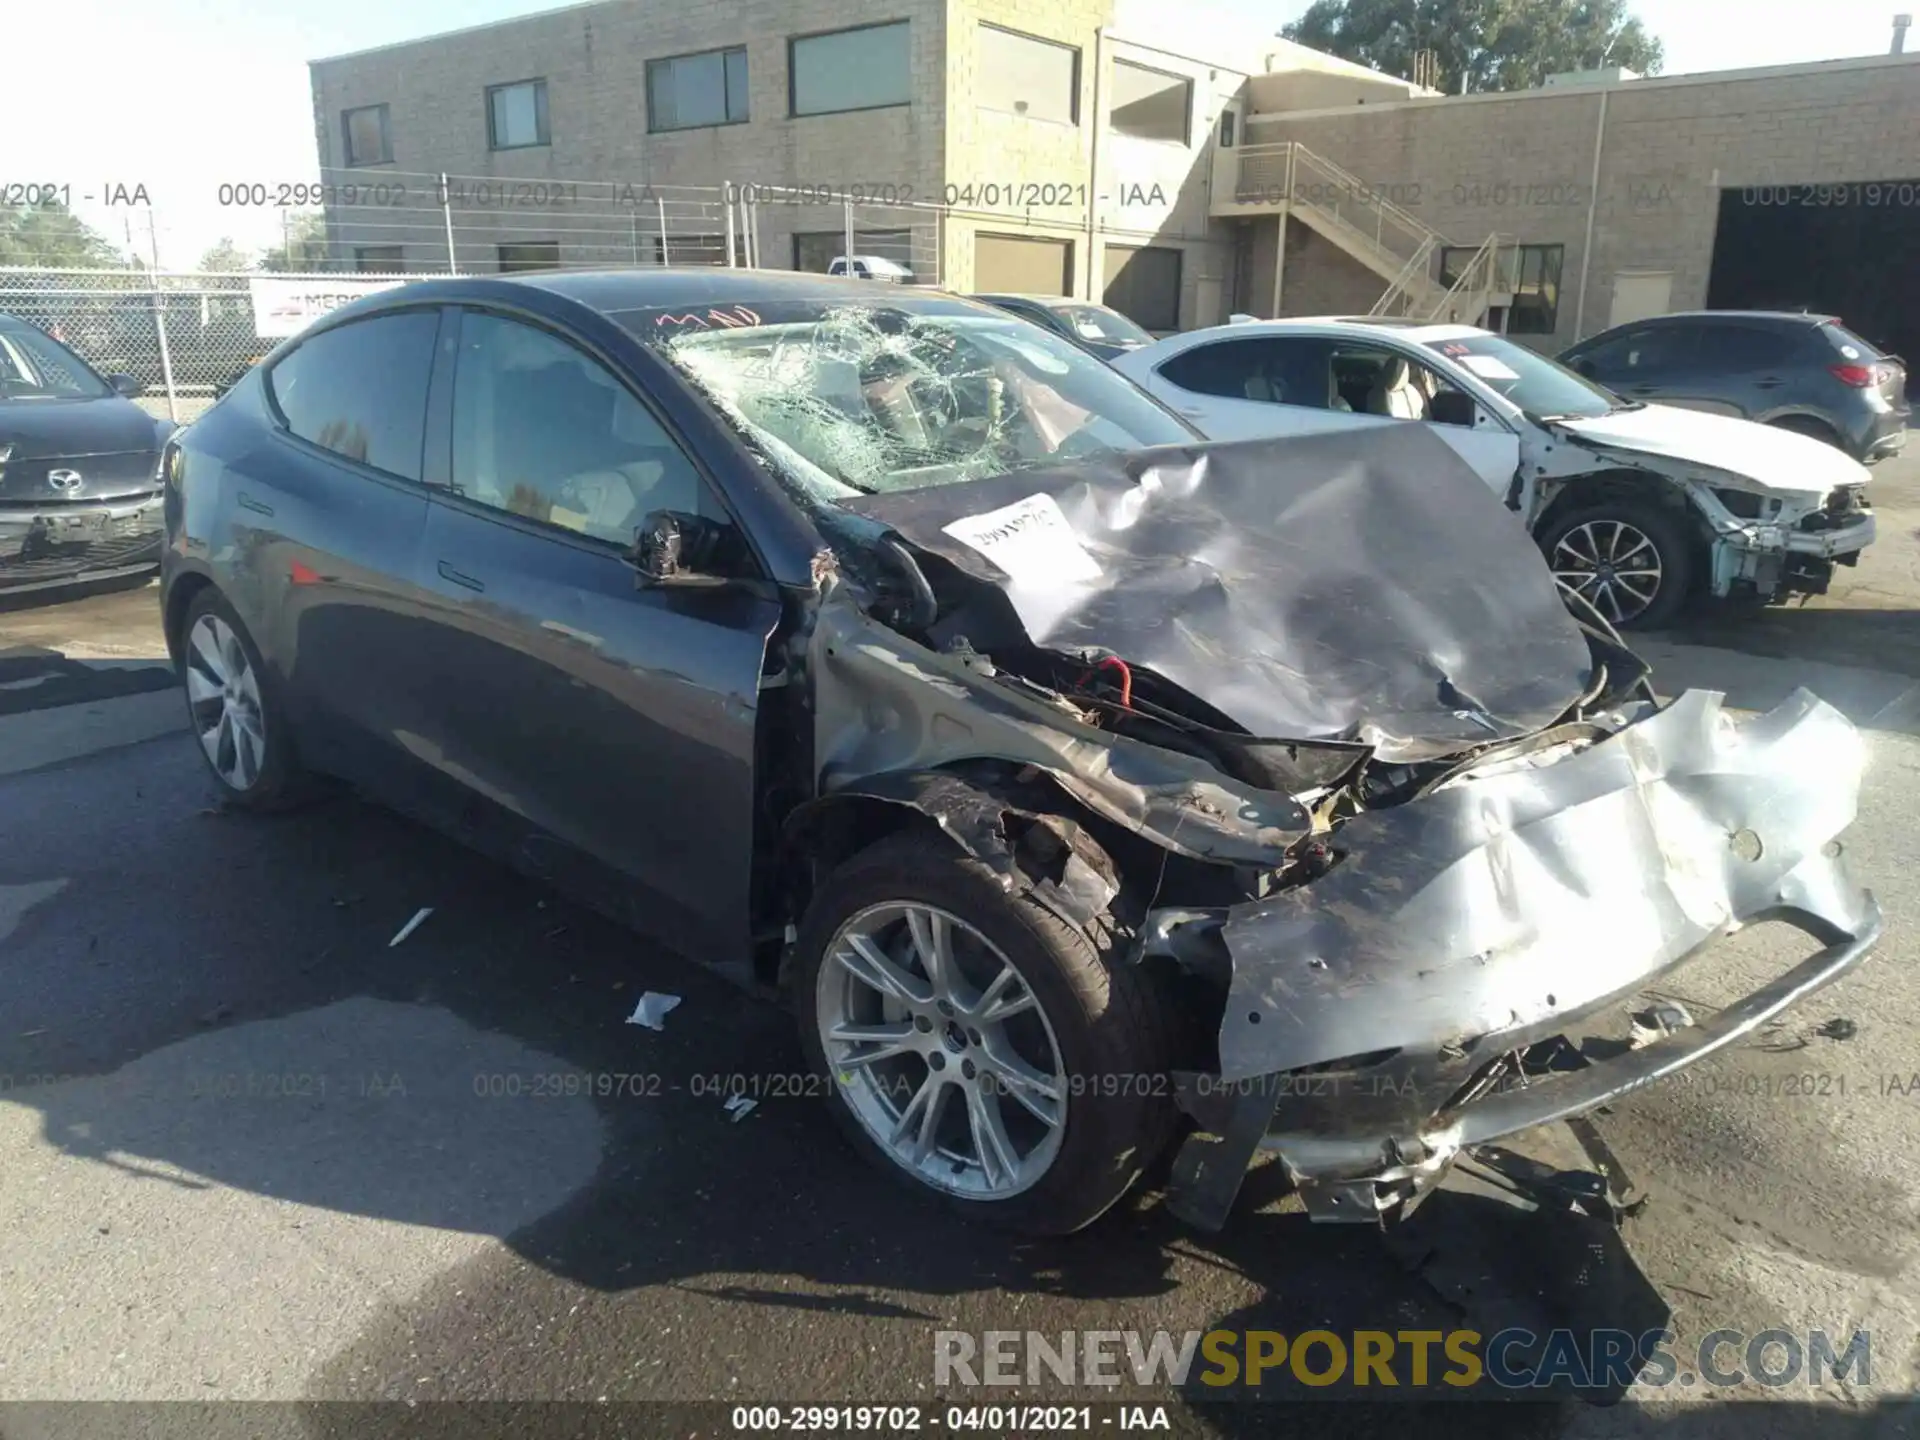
1131 150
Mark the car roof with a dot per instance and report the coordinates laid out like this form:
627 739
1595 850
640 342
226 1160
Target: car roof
1792 317
1033 298
612 291
1356 327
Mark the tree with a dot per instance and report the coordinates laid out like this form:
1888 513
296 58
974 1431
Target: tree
52 236
223 254
304 246
1481 44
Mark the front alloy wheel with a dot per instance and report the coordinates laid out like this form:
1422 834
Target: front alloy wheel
941 1050
1630 562
976 1044
223 694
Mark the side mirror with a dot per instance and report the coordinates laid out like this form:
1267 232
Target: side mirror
1584 366
672 547
1452 407
126 385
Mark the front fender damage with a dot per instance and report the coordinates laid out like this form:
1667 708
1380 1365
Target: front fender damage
1396 1011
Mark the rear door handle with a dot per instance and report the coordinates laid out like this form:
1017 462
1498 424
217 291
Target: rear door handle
1768 384
247 502
459 577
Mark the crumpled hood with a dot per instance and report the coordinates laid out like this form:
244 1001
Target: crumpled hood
1777 460
1361 585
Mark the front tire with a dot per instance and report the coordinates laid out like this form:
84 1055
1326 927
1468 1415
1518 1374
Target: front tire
1633 562
977 1046
234 708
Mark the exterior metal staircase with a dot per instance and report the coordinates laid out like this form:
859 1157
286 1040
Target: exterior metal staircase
1289 179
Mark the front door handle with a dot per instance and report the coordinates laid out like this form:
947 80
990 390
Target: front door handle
459 577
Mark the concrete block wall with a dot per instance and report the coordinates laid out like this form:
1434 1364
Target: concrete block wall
593 59
1522 165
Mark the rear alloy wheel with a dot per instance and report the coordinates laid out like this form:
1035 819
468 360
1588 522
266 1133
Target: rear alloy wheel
1630 562
231 706
975 1044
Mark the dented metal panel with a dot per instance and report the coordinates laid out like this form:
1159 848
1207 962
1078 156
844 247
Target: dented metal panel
1500 903
1357 586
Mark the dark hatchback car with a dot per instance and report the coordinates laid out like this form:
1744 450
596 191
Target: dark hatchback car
1804 373
1105 332
79 467
1075 779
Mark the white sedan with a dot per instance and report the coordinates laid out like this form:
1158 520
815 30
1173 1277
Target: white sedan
1635 505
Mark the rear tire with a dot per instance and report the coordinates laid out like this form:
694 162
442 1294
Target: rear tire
1076 1075
234 707
1811 428
1631 560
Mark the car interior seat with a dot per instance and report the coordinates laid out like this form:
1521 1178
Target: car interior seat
1396 393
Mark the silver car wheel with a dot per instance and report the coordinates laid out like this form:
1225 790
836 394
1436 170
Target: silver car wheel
223 695
942 1051
1610 564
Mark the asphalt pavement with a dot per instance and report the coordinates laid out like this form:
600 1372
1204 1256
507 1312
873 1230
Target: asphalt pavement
250 1149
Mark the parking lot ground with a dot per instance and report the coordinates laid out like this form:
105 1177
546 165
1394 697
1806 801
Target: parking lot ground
249 1149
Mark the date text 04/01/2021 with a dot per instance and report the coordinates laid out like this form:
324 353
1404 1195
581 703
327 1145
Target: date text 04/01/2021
913 1419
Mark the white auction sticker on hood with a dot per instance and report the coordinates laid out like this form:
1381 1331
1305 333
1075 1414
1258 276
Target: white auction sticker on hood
1030 540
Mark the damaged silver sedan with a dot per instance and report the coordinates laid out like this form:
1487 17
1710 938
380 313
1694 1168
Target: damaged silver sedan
1093 792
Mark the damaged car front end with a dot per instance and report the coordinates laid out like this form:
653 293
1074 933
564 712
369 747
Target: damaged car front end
1301 736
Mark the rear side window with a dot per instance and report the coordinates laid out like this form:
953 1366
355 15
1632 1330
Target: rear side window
361 390
1281 371
1849 346
1736 349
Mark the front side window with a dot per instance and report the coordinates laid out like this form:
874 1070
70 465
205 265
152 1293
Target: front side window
845 399
34 366
360 389
517 115
1639 353
686 92
366 135
544 431
1021 75
1544 388
1150 104
862 69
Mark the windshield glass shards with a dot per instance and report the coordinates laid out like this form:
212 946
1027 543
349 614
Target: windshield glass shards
864 398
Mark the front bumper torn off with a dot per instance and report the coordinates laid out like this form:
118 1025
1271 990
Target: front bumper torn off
1373 1016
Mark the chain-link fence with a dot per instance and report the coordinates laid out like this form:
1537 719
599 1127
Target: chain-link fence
185 336
182 337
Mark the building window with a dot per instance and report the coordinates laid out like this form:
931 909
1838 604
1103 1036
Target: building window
1150 104
862 69
380 259
1024 76
1535 272
687 92
367 138
815 250
517 115
528 255
1143 284
1226 129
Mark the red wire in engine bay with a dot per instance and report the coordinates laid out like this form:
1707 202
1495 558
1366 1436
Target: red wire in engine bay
1114 662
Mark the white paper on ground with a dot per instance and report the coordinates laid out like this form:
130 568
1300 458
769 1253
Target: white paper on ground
1030 540
652 1010
419 918
739 1106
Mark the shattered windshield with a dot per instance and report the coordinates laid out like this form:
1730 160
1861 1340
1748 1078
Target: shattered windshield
869 397
1542 387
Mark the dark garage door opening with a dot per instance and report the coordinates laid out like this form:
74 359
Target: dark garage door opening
1843 250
